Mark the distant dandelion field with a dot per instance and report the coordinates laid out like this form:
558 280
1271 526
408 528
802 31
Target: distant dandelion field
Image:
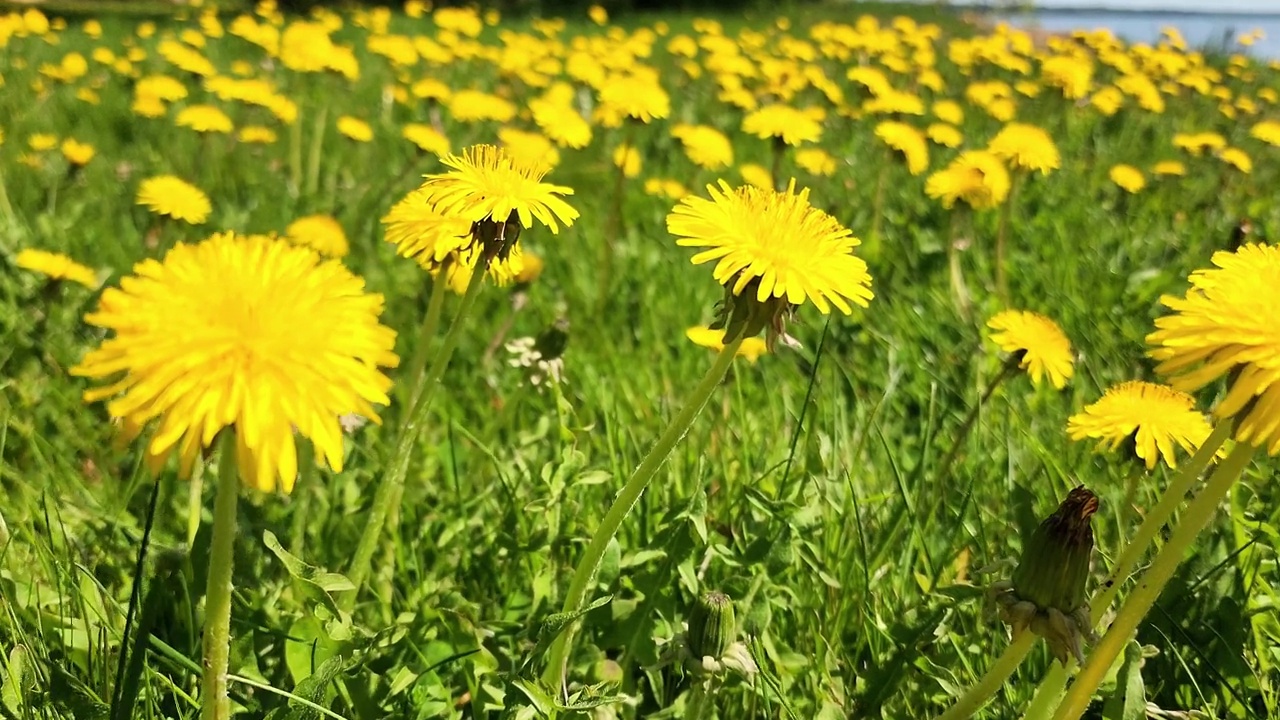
426 362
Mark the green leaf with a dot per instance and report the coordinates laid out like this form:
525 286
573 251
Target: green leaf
1129 702
542 701
12 695
318 578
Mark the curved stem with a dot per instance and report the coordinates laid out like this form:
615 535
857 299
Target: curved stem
217 595
1153 581
589 563
392 485
1050 691
1000 671
699 701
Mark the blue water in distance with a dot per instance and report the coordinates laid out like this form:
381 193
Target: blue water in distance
1201 30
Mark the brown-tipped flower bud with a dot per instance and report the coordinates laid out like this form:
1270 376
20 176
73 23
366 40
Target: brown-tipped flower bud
1047 593
711 625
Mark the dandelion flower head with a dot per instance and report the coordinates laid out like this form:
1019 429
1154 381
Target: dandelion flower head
788 124
193 349
321 233
1128 178
907 140
1156 418
976 177
1027 147
751 348
56 266
1228 325
173 197
1039 344
486 183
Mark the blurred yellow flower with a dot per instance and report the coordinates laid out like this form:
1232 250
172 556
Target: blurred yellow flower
706 146
1169 168
976 177
42 141
627 158
171 196
475 106
1036 343
427 138
661 187
638 96
945 135
751 348
1127 177
784 122
598 15
321 233
355 128
256 134
908 141
56 266
1236 158
816 161
1268 131
948 111
76 152
204 118
757 175
1026 147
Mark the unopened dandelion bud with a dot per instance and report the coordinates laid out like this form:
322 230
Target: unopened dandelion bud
1047 593
712 628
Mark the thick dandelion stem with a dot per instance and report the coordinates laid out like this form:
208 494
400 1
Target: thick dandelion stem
427 333
217 596
584 574
317 149
392 485
990 683
295 156
1152 583
775 171
959 290
1049 693
699 701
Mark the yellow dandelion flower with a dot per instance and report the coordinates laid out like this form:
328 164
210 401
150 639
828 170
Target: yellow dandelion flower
1198 143
172 196
42 141
256 134
1169 168
784 122
633 95
598 15
774 245
976 177
948 111
427 138
1237 158
1027 147
816 161
705 146
193 350
627 159
355 128
1038 344
56 266
1127 177
420 231
1153 417
321 233
529 148
77 153
908 141
1268 131
487 184
1226 326
476 106
204 118
751 348
756 175
665 188
945 135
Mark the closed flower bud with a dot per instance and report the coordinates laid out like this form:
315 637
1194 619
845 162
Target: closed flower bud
711 625
1047 591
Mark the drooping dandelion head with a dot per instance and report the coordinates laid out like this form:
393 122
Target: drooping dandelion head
1036 343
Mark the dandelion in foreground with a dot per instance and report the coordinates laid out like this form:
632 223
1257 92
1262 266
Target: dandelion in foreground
1156 419
247 340
194 351
773 252
56 266
171 196
1036 343
1228 325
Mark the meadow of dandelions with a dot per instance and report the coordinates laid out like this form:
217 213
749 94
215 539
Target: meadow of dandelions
426 362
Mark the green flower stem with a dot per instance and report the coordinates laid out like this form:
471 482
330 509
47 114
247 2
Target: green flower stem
317 147
392 485
958 288
775 171
1000 671
5 206
575 598
217 594
877 203
1002 233
699 701
1152 583
295 156
430 323
1054 683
